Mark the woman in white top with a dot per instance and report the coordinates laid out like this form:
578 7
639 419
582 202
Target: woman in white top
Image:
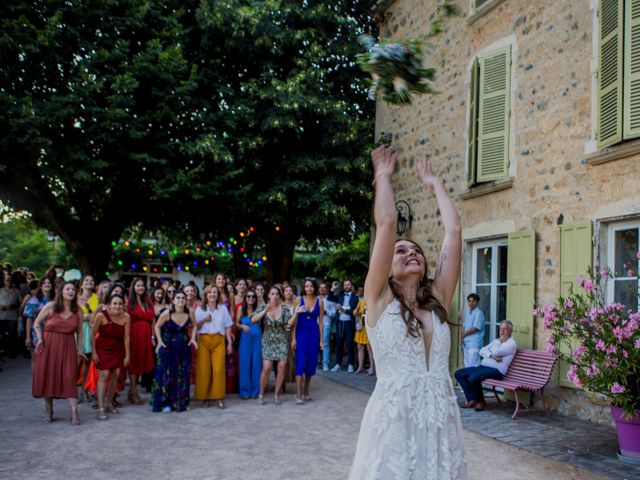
214 327
411 427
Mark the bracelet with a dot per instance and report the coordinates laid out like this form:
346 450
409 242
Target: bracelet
380 175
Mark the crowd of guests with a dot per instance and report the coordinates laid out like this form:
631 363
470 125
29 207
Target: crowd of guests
97 338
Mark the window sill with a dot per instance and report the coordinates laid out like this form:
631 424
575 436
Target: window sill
482 11
615 152
486 188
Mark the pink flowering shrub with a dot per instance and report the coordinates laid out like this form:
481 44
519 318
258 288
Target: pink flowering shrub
601 341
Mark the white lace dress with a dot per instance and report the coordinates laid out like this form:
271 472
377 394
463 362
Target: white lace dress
411 428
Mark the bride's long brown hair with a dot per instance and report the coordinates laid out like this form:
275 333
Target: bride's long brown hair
425 297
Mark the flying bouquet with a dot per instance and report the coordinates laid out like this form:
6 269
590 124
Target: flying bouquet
397 67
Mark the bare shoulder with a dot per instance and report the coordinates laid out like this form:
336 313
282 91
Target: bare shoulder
377 306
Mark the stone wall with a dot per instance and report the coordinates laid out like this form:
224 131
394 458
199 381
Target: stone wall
552 130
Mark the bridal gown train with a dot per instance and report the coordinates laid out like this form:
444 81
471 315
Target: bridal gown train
411 428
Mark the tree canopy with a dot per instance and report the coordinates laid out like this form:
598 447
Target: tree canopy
188 119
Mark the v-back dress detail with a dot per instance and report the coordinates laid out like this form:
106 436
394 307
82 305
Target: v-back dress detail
411 429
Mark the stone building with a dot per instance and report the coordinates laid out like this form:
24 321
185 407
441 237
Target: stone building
536 133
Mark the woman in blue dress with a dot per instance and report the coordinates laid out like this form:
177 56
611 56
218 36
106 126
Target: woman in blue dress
250 349
171 383
307 338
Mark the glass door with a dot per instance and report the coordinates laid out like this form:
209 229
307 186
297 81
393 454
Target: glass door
490 283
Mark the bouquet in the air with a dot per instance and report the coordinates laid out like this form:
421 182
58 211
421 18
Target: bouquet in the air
397 67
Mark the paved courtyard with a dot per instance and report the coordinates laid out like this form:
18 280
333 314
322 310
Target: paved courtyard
245 441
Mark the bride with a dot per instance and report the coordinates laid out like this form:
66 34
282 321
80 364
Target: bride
411 427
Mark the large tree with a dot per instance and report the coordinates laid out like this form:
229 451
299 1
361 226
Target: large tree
100 124
192 120
295 114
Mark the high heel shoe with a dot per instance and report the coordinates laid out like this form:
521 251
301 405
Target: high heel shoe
75 419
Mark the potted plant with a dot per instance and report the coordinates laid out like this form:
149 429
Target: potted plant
601 342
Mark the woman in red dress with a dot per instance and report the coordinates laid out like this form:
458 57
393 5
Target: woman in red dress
110 350
57 352
142 319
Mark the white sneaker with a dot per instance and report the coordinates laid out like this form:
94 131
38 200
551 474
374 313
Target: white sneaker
325 368
336 368
350 369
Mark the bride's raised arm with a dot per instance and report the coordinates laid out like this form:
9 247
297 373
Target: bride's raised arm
376 288
447 273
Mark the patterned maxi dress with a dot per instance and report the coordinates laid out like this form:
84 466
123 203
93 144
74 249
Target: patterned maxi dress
411 428
172 375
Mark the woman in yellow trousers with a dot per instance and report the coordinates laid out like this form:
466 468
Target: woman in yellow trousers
214 329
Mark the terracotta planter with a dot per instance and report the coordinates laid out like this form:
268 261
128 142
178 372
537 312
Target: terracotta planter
628 435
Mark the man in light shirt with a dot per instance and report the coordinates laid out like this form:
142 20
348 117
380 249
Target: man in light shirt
496 358
473 332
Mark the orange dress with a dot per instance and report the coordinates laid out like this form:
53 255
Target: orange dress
55 369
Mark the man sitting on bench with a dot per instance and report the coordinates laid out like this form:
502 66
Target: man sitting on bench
496 358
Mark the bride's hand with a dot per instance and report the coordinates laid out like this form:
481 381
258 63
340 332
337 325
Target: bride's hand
384 160
425 173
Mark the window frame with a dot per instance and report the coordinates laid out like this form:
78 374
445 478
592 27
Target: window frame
611 250
491 317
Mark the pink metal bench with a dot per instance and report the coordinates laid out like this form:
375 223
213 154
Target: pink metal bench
529 371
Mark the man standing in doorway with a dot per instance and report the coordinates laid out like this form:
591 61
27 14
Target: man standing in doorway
346 327
473 332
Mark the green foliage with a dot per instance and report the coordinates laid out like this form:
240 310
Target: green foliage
349 260
188 118
24 245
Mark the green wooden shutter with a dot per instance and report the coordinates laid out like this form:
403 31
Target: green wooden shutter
610 73
493 115
521 273
575 259
473 123
632 70
454 322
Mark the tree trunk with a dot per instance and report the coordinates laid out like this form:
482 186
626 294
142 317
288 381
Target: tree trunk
279 246
91 250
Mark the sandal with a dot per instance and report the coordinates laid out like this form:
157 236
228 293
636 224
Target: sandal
469 404
260 400
221 404
101 414
307 398
299 401
112 409
135 400
75 419
276 400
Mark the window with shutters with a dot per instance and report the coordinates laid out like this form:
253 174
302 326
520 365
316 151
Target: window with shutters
478 7
489 114
623 243
618 71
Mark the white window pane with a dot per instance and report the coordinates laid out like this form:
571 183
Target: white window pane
625 248
624 293
483 265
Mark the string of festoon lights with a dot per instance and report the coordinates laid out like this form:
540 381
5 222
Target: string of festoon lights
157 258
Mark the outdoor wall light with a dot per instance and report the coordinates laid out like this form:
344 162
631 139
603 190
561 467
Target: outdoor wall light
405 217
